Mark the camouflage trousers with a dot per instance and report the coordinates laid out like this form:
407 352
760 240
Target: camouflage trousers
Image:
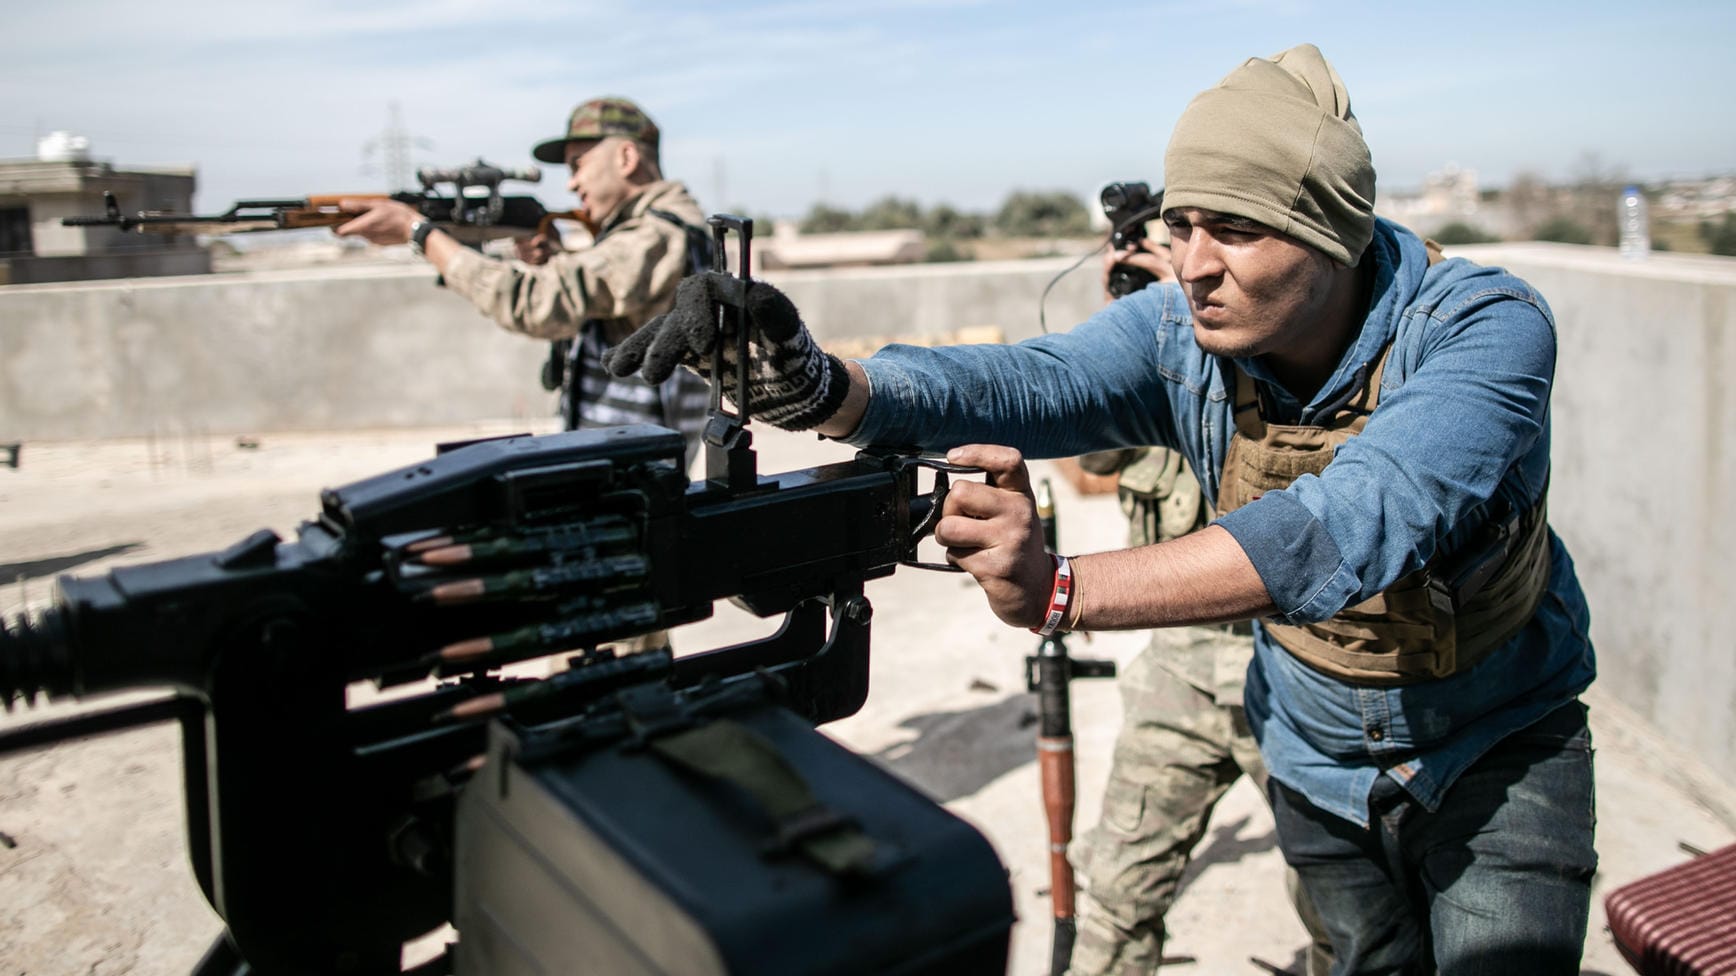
1178 752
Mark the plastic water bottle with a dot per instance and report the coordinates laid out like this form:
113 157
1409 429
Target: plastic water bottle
1636 233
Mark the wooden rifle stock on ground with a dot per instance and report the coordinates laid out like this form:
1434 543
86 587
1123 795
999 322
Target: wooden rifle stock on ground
1048 673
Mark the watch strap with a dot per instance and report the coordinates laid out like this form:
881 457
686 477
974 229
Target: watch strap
419 232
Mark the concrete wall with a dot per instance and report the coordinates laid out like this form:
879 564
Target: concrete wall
926 299
1644 422
380 346
1644 458
104 265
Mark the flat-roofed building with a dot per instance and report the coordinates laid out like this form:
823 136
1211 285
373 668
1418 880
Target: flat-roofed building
64 181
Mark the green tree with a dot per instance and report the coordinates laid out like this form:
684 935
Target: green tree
890 213
1056 213
1530 200
1592 196
945 222
1562 230
1720 238
824 219
945 249
1459 232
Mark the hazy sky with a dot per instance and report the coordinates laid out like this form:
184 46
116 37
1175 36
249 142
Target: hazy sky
771 106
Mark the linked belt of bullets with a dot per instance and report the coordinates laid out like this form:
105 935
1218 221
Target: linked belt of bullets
576 582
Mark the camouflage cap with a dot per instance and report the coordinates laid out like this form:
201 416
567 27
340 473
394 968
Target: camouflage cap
600 118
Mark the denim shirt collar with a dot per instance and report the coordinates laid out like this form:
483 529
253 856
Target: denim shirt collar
1400 261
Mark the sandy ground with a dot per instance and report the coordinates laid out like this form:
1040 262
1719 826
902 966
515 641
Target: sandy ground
93 877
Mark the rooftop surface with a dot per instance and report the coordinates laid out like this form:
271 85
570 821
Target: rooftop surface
92 864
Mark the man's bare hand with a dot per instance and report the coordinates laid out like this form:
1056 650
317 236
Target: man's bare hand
378 221
536 249
990 530
1145 255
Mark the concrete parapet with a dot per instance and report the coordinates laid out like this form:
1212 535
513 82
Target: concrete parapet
357 347
1644 456
929 298
377 345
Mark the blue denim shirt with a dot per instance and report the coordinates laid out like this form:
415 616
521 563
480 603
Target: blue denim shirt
1461 433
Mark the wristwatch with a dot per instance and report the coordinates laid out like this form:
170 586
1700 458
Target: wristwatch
419 232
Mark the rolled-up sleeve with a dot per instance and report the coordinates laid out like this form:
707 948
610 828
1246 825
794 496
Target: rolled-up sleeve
630 274
1470 415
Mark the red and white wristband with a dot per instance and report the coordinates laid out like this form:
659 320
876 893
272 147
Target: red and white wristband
1060 600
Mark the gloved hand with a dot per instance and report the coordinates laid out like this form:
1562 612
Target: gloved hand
791 382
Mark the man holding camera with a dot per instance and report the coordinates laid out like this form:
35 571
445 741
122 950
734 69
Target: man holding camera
647 232
1371 425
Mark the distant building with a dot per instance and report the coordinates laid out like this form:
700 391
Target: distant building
63 181
789 248
1696 200
1447 196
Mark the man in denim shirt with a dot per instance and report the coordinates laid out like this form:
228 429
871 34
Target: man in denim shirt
1372 425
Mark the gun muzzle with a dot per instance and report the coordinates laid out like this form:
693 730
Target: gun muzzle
34 657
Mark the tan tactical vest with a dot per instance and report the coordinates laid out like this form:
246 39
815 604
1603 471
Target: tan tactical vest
1436 621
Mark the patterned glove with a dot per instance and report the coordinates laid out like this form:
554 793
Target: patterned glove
791 383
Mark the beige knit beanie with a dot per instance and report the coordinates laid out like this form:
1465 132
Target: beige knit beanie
1276 142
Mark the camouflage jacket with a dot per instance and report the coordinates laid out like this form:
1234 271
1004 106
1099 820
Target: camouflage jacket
1163 501
626 278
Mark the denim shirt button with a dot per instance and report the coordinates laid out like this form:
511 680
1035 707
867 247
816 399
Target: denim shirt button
1376 734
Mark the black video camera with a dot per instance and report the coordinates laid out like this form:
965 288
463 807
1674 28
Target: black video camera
1128 206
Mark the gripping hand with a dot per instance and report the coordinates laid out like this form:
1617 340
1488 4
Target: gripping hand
791 382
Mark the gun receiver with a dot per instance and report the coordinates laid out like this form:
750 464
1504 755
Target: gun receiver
473 211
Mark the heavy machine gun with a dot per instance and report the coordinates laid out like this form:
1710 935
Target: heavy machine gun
639 813
474 210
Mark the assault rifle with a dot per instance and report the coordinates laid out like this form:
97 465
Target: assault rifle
636 813
473 211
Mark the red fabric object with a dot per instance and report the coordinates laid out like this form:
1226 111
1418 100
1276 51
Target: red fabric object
1681 921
